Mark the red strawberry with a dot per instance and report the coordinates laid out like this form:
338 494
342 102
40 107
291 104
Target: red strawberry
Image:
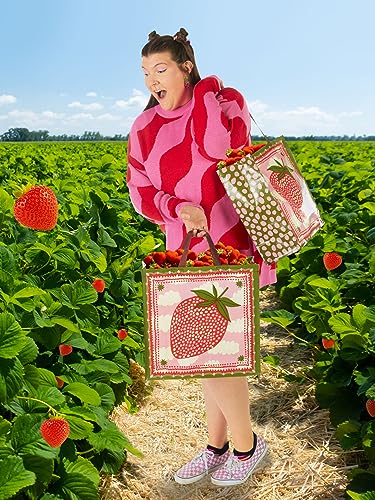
172 257
55 431
159 257
328 343
253 148
192 255
99 285
332 260
285 184
37 208
199 263
59 382
65 349
122 334
199 323
148 260
370 407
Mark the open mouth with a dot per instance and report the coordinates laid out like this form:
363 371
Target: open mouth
161 94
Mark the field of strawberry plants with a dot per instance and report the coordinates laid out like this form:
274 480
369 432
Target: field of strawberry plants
71 318
328 294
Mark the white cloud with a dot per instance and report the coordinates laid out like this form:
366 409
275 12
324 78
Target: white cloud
91 94
137 101
94 106
165 353
304 120
7 99
236 326
164 322
169 298
225 347
187 361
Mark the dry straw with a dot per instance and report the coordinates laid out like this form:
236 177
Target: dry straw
305 462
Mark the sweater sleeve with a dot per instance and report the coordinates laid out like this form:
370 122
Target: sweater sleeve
221 119
155 205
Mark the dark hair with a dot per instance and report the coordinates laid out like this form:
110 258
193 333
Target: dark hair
180 50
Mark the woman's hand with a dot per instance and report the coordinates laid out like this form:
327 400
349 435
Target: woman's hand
194 219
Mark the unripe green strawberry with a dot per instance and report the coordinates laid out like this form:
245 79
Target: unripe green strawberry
37 208
55 431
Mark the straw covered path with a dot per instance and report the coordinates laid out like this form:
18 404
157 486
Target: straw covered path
304 461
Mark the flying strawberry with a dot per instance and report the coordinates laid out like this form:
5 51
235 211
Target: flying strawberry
332 260
285 184
55 431
199 323
370 407
99 285
37 208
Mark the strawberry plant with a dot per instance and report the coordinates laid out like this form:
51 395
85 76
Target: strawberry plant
63 367
328 294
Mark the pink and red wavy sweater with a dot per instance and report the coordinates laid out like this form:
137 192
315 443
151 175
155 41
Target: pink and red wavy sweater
172 158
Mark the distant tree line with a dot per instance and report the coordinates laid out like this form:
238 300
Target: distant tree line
26 135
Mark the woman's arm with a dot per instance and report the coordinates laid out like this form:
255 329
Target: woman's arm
221 119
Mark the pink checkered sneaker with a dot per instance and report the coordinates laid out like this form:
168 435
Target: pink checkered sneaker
202 464
236 471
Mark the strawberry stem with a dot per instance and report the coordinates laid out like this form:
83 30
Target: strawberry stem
40 401
223 292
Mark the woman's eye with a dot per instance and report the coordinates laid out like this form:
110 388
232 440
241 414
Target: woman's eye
161 70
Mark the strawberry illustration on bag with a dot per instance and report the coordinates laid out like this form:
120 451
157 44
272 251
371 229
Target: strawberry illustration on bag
285 184
199 323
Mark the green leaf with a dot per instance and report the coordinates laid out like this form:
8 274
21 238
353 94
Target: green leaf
42 467
88 318
7 260
11 378
12 336
359 316
83 466
79 428
76 487
222 310
341 323
228 302
65 322
272 360
83 392
29 291
78 294
106 394
29 352
111 439
13 477
104 239
65 255
4 426
203 294
107 343
279 317
348 433
104 365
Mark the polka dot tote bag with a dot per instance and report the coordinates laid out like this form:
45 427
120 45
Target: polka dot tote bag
271 197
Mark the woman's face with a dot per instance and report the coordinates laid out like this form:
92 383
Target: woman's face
165 80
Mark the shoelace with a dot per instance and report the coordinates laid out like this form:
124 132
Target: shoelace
203 456
232 463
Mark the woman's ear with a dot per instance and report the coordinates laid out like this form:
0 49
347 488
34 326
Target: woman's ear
188 66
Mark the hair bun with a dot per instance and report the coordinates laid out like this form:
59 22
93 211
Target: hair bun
181 36
153 35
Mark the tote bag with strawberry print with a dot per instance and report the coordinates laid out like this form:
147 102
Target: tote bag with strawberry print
271 197
201 322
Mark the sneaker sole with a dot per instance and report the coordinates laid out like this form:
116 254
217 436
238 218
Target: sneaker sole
234 482
189 480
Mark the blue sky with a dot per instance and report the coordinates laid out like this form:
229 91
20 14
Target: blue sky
305 67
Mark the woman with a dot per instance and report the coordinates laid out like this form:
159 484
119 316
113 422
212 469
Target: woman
174 147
